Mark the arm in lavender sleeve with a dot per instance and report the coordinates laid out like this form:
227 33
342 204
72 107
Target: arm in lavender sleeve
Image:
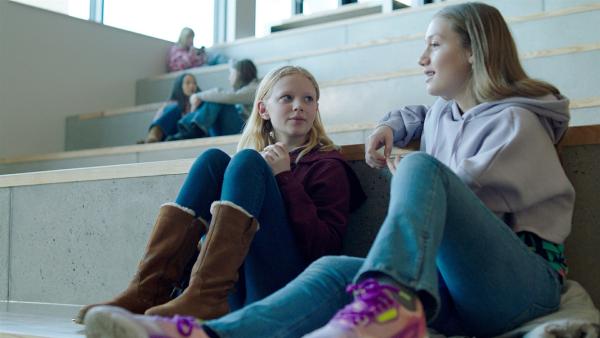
406 123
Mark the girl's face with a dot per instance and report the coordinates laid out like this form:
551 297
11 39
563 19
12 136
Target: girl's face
233 74
189 85
446 63
292 107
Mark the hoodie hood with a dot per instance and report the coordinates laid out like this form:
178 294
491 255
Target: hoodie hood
505 151
552 111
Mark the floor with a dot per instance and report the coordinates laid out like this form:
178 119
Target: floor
36 322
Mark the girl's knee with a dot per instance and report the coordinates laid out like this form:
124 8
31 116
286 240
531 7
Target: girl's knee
248 157
418 161
418 157
344 265
213 154
210 158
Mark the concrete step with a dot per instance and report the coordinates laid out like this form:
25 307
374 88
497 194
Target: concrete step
401 22
38 320
341 134
109 128
75 236
389 47
359 99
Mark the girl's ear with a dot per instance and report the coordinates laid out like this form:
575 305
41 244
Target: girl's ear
262 110
470 56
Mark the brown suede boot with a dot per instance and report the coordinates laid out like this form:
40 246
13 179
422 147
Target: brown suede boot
216 270
155 134
170 247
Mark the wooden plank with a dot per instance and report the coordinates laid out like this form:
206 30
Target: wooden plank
356 152
582 135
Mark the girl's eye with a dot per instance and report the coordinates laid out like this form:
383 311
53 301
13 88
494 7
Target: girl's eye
434 44
309 99
286 98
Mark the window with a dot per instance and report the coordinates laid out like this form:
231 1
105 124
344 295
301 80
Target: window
313 6
163 19
269 13
76 8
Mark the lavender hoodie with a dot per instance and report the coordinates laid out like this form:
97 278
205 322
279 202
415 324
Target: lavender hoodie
504 151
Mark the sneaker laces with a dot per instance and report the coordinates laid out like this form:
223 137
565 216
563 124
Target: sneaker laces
370 299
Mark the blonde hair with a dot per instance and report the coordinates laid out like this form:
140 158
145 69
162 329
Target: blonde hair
497 71
185 32
258 133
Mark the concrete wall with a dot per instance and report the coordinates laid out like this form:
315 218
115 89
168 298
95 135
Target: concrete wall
581 165
53 66
4 241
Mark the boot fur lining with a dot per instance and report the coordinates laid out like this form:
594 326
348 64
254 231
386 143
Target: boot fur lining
233 205
184 209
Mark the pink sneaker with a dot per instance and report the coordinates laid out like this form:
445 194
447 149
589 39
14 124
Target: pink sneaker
378 311
115 322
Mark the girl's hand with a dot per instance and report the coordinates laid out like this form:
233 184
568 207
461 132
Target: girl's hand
195 102
382 136
278 157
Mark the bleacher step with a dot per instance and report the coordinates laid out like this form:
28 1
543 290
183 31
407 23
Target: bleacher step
27 324
354 99
390 46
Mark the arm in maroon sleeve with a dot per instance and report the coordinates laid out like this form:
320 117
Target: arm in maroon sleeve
318 212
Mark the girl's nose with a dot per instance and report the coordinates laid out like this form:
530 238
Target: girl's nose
298 106
423 60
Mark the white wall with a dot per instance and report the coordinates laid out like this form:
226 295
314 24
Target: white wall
53 66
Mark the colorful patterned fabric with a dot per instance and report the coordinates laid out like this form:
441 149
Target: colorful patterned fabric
181 58
551 252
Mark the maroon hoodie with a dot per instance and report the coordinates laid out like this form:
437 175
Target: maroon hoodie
319 193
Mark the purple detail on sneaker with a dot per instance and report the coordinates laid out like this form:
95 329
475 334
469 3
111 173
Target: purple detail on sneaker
185 325
370 300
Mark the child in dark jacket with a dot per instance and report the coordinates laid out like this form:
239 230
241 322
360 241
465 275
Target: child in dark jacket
266 213
212 112
165 121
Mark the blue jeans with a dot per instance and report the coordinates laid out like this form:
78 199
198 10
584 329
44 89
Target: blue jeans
473 274
214 119
168 120
247 180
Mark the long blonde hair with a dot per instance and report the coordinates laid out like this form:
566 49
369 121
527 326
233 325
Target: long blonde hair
185 32
497 71
258 133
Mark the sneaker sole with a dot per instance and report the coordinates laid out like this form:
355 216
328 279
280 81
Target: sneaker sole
112 322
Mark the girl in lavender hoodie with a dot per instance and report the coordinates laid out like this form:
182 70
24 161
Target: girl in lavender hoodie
472 242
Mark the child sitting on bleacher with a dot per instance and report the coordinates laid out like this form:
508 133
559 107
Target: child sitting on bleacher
472 241
216 111
183 54
280 203
165 121
213 112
